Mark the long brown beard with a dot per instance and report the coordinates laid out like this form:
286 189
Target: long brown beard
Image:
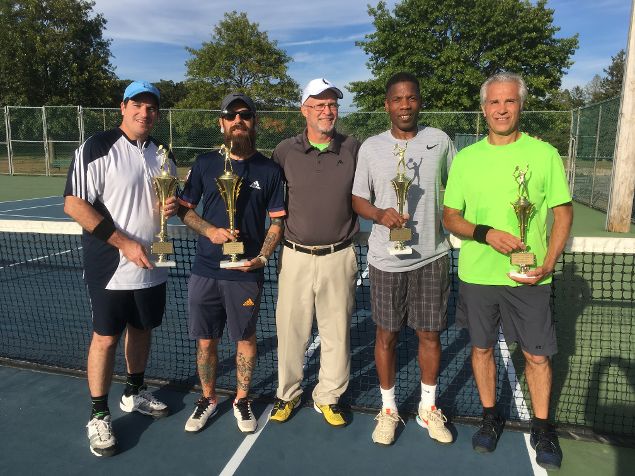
243 145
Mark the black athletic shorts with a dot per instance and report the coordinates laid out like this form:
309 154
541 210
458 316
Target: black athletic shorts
523 312
214 302
114 309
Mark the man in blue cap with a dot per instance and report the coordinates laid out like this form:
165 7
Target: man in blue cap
109 192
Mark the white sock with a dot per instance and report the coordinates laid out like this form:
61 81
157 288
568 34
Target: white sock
388 399
428 393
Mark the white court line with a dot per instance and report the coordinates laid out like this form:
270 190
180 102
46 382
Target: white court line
40 258
31 208
28 199
249 440
33 217
538 471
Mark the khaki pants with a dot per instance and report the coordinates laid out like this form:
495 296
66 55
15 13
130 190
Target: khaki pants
324 286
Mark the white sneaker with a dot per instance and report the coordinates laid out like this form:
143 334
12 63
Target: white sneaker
205 409
245 418
387 422
434 420
101 438
145 403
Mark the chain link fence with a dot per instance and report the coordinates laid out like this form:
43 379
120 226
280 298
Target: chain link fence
594 130
41 140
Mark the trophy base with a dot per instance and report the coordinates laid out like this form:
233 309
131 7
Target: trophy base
164 264
162 248
400 234
228 264
516 274
523 258
406 250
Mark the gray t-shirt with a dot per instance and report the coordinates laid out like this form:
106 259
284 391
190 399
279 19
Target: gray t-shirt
428 157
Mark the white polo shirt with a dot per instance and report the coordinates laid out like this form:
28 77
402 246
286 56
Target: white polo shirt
114 174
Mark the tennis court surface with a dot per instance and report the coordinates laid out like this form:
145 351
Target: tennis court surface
46 322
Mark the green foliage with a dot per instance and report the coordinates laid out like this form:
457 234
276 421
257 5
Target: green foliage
454 45
52 52
239 57
611 85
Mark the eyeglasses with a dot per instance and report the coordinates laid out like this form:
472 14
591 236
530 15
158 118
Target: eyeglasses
321 107
244 115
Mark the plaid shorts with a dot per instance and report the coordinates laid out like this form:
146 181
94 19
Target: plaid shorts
418 298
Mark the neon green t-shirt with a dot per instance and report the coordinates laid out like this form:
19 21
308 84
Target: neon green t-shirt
481 183
320 147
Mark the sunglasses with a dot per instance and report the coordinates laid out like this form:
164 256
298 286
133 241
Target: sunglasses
244 115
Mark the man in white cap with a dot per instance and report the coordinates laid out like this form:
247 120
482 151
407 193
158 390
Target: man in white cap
109 192
318 264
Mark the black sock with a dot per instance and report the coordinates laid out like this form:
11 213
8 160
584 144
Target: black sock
100 407
133 383
540 423
490 411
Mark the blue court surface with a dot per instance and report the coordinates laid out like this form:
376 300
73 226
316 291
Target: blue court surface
42 417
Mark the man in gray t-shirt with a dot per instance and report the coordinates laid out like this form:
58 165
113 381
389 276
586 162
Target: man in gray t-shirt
406 289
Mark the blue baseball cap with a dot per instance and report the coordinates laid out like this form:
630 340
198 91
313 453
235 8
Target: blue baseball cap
139 87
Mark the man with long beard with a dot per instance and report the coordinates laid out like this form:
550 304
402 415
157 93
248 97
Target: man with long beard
219 296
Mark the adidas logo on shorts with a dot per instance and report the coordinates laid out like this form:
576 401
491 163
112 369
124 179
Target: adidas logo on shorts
248 303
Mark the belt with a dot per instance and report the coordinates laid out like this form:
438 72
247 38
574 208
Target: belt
321 251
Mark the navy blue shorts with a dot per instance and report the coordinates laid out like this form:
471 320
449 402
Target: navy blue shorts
214 302
523 312
114 309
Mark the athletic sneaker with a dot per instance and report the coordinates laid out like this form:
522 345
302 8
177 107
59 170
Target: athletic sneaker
387 422
282 409
145 403
332 414
245 418
548 452
100 436
434 420
205 408
486 437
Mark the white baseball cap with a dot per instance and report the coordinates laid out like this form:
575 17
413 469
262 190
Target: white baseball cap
317 86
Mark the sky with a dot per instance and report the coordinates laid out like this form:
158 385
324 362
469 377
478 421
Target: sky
149 37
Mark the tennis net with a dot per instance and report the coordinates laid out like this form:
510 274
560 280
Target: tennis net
45 321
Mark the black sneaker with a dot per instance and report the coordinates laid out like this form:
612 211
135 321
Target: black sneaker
548 452
486 438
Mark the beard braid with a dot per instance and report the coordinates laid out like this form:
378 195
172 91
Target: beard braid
243 145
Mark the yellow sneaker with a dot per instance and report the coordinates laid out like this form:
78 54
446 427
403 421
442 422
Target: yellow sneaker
434 420
332 414
282 409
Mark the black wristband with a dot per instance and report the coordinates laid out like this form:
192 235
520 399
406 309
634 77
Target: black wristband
104 230
480 231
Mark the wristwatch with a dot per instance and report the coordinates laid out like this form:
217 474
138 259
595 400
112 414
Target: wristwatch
263 259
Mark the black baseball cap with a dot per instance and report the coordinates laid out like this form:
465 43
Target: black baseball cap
233 97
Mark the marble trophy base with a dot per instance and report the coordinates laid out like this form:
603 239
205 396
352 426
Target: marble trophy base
229 264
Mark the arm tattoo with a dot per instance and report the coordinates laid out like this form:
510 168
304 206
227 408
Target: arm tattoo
195 222
244 369
273 237
206 363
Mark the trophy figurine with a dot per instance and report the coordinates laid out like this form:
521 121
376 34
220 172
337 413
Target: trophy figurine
523 208
229 188
165 187
401 183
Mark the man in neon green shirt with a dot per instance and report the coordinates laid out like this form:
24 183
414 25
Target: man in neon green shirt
481 187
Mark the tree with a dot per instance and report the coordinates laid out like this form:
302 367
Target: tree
239 57
53 52
454 45
612 83
171 93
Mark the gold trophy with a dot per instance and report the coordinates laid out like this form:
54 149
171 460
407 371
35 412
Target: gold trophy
229 187
523 208
165 187
401 183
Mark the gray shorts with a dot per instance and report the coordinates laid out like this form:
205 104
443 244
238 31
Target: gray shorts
418 298
214 302
524 313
